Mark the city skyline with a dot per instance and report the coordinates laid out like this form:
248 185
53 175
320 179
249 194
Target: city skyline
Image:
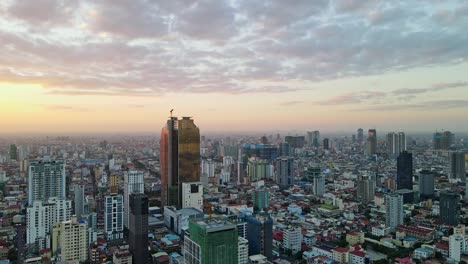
84 67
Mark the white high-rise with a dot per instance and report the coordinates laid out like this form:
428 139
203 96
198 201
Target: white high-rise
133 183
243 251
46 179
458 245
394 210
41 218
192 195
292 238
113 217
396 143
72 239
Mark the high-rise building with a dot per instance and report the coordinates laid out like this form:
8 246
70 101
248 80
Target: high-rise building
396 143
260 234
46 180
81 203
443 140
372 142
326 144
114 184
394 210
292 238
365 190
192 195
285 171
261 198
360 135
41 218
449 207
285 149
458 244
211 242
313 138
133 183
426 184
243 251
71 237
258 169
113 217
13 152
295 141
315 177
138 230
179 158
457 165
405 171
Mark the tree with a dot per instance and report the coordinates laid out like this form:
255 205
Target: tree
299 255
13 255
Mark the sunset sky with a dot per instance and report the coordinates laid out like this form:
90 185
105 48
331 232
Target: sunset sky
241 65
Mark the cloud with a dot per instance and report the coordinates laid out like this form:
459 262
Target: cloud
353 98
64 108
434 88
424 106
291 103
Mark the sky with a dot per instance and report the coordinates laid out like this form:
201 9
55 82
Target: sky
69 66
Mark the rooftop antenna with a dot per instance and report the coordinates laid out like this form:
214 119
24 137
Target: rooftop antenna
171 112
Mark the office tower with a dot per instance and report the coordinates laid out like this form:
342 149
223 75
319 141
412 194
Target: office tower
41 218
208 167
285 171
372 142
292 238
405 171
179 158
457 166
285 149
133 183
360 135
426 184
449 207
365 190
138 230
114 184
394 210
443 140
396 143
326 143
81 203
314 176
261 198
295 141
260 234
13 152
192 195
46 179
457 246
313 138
211 242
113 217
243 251
72 239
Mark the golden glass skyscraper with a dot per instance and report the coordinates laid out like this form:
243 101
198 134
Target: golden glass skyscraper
179 158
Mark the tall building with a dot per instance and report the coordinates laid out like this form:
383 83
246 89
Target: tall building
71 237
295 141
113 217
394 210
326 144
313 138
243 251
81 203
457 165
405 171
192 195
372 142
292 238
258 169
41 218
315 177
46 180
261 198
138 230
458 244
360 135
426 184
285 149
13 152
365 190
114 184
211 242
133 183
396 143
449 207
285 171
179 158
260 234
443 140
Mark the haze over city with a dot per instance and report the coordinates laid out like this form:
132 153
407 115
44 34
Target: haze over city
120 66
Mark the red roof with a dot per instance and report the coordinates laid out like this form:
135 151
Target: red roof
415 229
442 245
358 253
278 235
341 250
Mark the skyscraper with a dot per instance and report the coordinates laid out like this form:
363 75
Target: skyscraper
179 158
211 242
261 198
365 190
360 135
260 234
449 207
46 180
113 217
72 239
326 143
285 171
372 142
13 152
396 143
426 184
138 230
313 138
457 165
405 171
394 210
81 205
315 177
443 140
133 183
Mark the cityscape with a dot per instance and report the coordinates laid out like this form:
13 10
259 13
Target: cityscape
233 132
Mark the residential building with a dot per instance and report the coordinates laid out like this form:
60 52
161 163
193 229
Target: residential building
261 198
122 256
292 238
285 171
394 210
46 179
192 195
457 166
71 237
314 176
113 217
243 251
260 234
